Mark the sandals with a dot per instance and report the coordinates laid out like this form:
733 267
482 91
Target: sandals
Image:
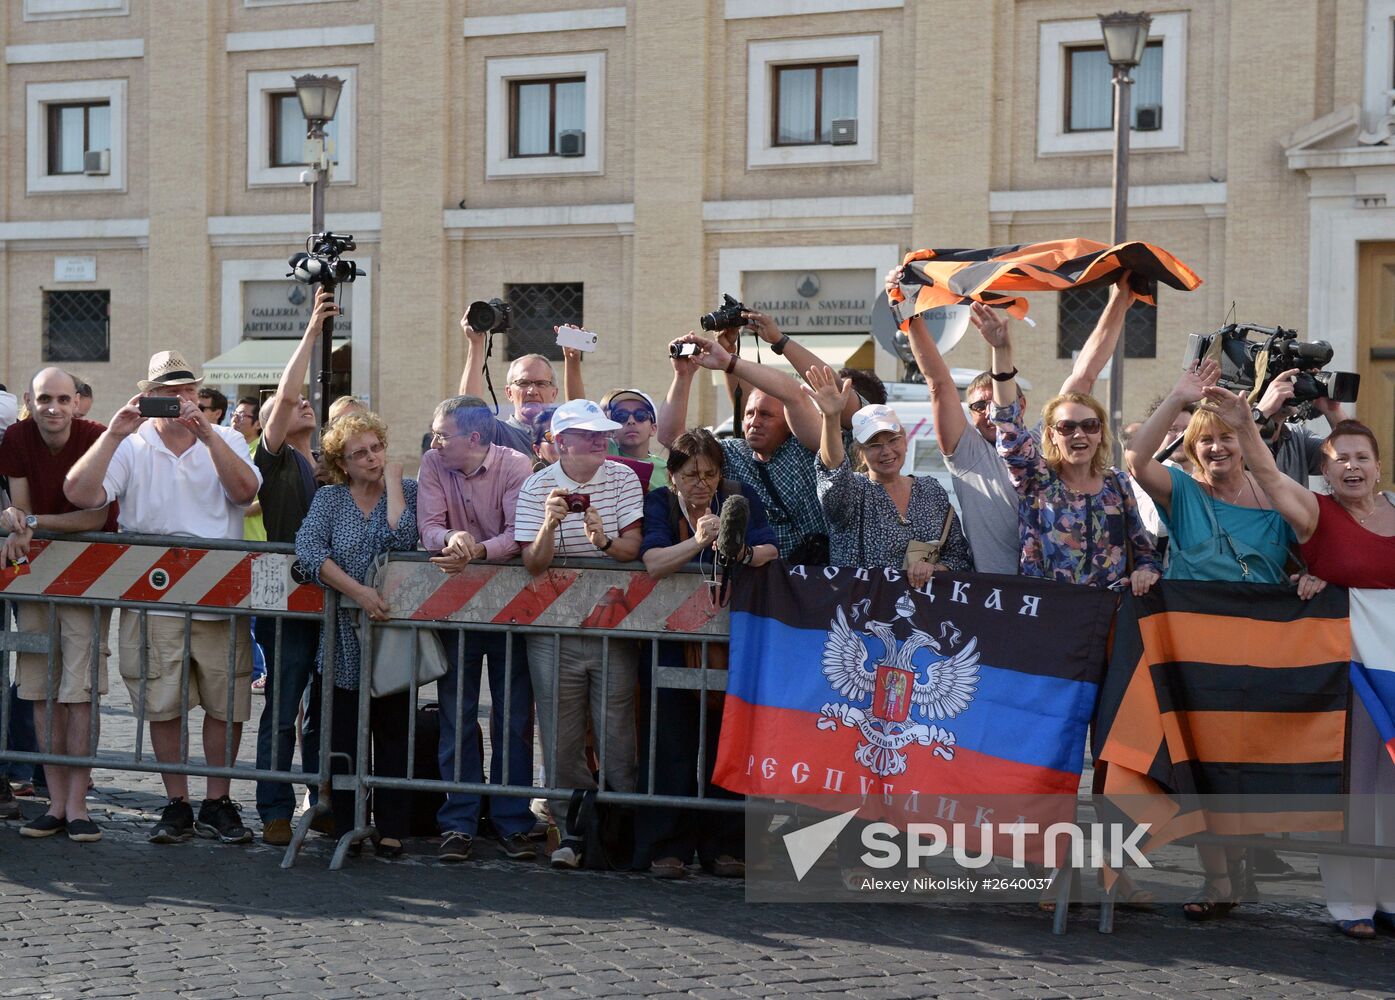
1363 929
1212 902
668 868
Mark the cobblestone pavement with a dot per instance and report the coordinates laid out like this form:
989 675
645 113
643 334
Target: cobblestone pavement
201 920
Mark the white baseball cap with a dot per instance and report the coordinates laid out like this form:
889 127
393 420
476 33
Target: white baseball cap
872 419
581 415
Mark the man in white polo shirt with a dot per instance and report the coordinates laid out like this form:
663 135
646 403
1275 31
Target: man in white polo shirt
581 505
179 475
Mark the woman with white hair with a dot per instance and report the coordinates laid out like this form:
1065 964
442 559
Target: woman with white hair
880 518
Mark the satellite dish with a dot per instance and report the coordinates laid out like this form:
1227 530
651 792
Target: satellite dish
945 323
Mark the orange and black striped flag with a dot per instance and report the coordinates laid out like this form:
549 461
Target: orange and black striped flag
997 276
1225 709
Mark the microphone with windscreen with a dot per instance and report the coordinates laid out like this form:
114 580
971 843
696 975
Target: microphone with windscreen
731 534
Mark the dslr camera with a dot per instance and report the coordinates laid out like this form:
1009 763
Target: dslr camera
321 262
724 317
494 316
1252 356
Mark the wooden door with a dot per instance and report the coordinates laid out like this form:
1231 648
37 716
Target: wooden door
1376 349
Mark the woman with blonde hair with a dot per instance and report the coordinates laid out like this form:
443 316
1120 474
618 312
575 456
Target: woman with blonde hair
367 509
1078 519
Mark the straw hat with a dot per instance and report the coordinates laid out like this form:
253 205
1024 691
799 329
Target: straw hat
169 368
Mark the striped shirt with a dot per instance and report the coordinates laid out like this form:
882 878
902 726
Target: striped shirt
614 491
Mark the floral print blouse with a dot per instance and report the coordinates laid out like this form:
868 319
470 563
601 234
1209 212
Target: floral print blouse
1069 536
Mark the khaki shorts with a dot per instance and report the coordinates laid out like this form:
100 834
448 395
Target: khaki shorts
73 655
208 666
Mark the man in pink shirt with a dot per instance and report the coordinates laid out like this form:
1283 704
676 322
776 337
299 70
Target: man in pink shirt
467 492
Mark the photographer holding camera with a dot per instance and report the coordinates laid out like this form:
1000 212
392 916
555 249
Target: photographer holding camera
1297 451
532 383
581 505
176 474
782 429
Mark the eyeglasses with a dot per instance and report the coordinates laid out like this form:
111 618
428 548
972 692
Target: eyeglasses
444 438
242 415
890 442
362 453
206 409
1066 428
621 415
698 477
537 385
979 405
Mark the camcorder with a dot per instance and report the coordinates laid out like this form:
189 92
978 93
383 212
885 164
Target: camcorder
322 264
724 317
494 316
688 350
1252 356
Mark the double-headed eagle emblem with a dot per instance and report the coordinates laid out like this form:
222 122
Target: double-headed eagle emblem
883 694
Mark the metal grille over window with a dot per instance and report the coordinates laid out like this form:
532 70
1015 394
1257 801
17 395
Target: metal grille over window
536 310
77 326
1079 310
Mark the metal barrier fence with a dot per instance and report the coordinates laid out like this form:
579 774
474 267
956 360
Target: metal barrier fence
581 598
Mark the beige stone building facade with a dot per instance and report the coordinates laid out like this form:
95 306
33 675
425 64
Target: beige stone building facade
620 163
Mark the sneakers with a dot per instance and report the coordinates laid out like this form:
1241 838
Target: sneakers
455 847
276 832
84 831
220 819
44 826
517 847
9 808
24 789
567 855
176 823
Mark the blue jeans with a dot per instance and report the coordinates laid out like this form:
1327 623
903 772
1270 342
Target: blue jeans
299 642
21 737
461 811
258 657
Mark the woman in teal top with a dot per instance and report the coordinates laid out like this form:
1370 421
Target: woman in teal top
1221 527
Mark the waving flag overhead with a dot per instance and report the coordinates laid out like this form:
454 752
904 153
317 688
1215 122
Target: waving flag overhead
997 276
848 681
1373 658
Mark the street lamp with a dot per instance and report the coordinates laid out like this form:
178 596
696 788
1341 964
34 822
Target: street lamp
319 99
1125 37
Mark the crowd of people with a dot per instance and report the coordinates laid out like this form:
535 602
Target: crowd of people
819 467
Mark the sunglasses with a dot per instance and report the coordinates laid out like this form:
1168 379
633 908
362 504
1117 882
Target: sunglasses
979 405
621 415
1066 428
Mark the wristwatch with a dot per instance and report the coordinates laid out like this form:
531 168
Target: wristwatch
1004 376
779 346
608 543
1258 415
31 521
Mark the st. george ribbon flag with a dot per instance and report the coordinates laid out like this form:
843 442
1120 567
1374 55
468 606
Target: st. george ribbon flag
848 681
1225 710
997 276
1373 658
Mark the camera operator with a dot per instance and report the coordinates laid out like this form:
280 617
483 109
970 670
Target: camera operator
532 384
581 505
782 429
1297 451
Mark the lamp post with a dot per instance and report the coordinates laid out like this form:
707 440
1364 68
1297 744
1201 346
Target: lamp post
1125 37
319 99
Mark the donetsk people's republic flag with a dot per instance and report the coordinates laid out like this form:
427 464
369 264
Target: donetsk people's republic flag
848 681
997 276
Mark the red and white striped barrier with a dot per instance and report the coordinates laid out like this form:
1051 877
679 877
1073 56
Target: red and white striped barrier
614 599
204 578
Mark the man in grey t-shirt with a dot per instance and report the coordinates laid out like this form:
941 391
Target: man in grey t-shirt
532 385
1297 450
982 484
